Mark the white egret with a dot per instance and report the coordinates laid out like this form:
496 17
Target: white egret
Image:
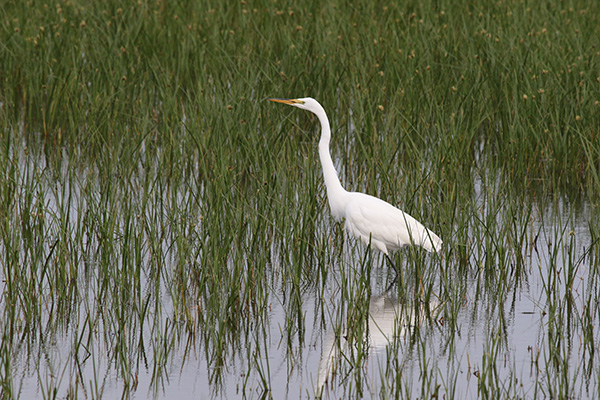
368 218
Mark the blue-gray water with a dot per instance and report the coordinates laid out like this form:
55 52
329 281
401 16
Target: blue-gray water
530 333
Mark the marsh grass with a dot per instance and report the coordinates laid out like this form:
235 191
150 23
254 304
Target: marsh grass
157 218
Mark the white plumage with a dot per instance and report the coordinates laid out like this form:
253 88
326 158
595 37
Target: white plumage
387 227
368 218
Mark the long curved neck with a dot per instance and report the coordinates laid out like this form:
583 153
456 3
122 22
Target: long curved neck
336 194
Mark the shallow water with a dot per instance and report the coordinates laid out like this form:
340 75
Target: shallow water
515 323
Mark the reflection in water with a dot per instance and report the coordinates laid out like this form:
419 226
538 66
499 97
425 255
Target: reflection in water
389 320
124 291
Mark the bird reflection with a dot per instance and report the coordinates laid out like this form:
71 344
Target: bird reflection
389 320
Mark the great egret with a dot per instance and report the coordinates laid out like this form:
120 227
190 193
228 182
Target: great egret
372 220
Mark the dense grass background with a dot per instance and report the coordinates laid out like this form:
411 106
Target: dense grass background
151 200
521 79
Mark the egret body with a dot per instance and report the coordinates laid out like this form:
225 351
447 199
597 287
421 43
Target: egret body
372 220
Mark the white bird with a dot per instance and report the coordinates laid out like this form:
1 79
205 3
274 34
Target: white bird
372 220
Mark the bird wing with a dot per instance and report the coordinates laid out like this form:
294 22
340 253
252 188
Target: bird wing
385 226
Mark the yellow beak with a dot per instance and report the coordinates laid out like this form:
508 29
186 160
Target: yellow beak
287 101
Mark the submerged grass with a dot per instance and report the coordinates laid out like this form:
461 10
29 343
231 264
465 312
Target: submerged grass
156 214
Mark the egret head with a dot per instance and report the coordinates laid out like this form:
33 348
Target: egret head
305 103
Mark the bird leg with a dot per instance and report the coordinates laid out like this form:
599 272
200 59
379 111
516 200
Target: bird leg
396 270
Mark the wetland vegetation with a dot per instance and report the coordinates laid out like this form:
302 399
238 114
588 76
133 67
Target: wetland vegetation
164 230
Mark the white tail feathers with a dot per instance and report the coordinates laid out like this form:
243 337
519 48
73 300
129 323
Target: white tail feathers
430 241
